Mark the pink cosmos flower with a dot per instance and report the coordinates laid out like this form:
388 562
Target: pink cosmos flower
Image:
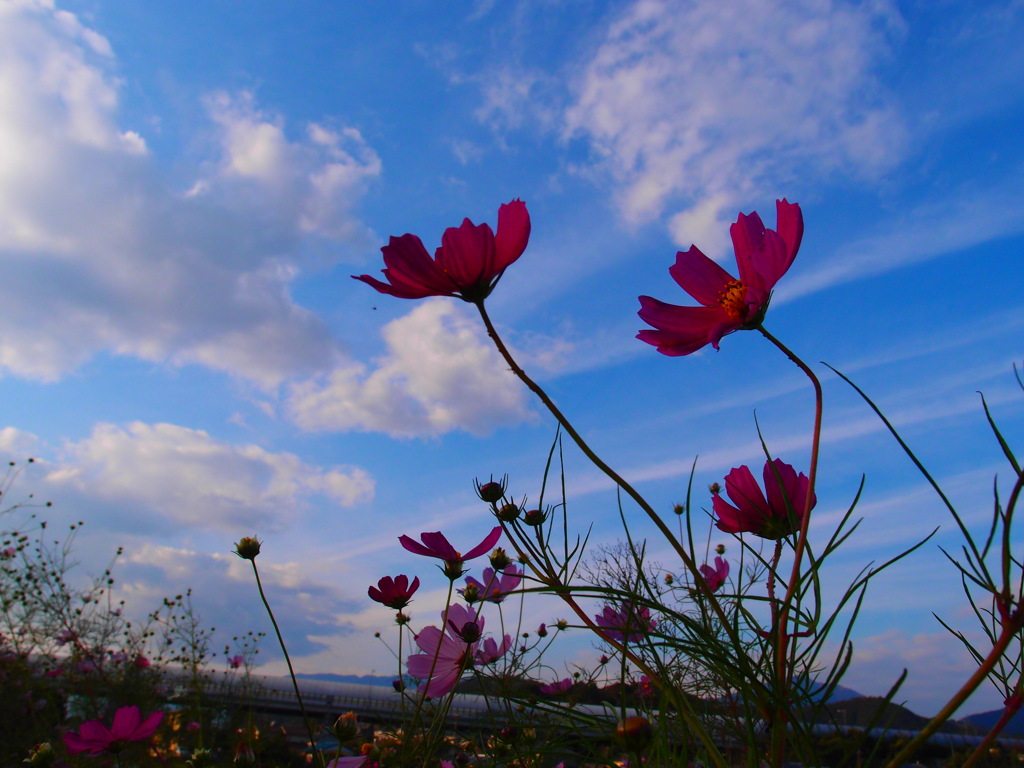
769 517
468 264
436 545
141 662
394 593
94 737
554 689
454 655
627 624
715 577
496 586
236 661
763 257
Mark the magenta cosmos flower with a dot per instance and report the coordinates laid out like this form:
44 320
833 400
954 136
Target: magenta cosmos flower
627 623
435 544
468 264
763 257
495 586
557 688
454 653
128 726
394 593
715 577
769 517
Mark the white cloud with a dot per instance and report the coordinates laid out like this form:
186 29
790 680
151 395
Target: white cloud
190 478
440 374
706 104
101 253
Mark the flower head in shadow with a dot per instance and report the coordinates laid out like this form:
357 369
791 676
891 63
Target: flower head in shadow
468 264
771 514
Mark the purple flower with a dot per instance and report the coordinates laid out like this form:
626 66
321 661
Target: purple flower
763 257
627 623
394 592
468 264
94 737
236 661
554 689
495 586
769 517
435 544
715 577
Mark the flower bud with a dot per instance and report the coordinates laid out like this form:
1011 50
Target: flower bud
507 513
500 559
634 733
248 547
679 509
401 619
562 625
398 685
470 631
715 488
471 593
720 549
535 517
542 630
346 727
491 492
244 756
669 579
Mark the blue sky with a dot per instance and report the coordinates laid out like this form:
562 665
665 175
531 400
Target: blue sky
185 191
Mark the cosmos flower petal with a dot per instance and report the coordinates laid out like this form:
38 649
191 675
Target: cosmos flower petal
699 276
486 545
467 253
513 233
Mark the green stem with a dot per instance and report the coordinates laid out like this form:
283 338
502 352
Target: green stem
291 671
781 646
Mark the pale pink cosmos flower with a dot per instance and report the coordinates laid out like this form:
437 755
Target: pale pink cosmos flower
495 586
625 623
454 655
727 304
94 737
236 661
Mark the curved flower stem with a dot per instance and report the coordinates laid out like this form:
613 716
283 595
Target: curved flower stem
291 671
998 649
781 645
596 460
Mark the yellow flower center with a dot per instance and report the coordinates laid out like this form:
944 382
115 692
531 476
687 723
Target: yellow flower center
732 299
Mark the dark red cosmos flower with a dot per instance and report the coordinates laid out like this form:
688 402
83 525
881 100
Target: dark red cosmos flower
468 264
394 593
768 517
435 544
94 737
715 577
763 257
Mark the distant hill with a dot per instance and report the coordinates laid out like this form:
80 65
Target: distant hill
984 721
328 677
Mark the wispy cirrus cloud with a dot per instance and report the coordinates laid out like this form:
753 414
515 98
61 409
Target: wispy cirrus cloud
695 107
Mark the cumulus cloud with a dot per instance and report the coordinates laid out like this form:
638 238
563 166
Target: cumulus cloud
439 374
192 479
225 595
102 253
695 107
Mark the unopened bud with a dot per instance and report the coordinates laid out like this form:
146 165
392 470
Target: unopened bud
715 488
248 547
500 559
720 549
535 517
679 509
491 492
471 593
507 513
401 619
346 727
